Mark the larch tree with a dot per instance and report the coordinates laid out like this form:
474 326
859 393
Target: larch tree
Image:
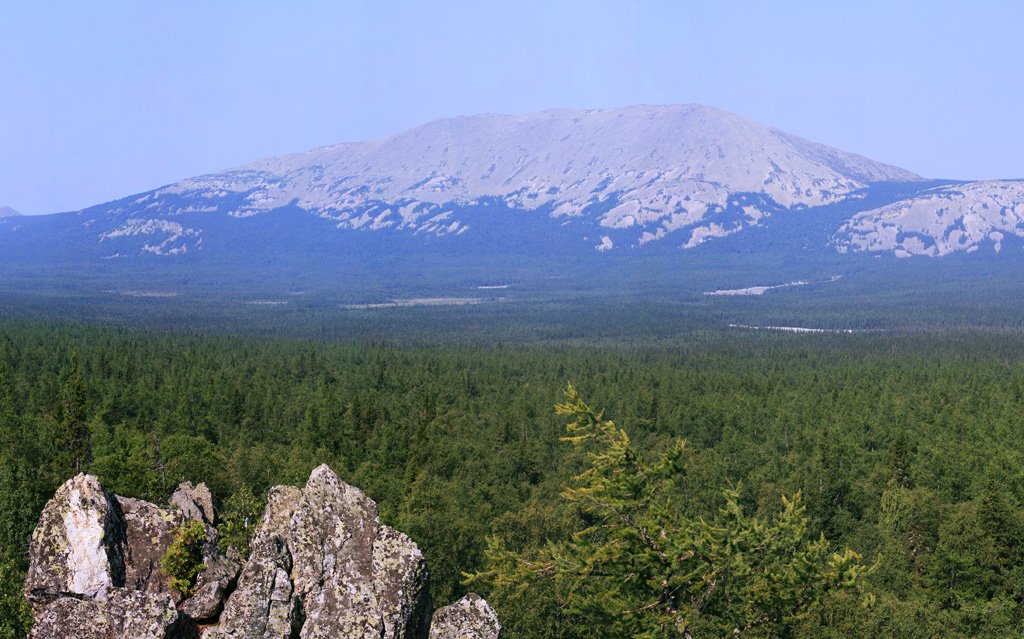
637 566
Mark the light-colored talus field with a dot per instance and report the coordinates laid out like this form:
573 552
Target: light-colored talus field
651 170
939 221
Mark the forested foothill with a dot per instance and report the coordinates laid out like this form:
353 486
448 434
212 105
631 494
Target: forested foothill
903 450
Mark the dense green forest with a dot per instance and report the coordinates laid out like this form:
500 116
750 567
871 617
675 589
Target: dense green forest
905 448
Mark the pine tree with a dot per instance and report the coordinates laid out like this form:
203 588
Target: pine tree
73 430
240 519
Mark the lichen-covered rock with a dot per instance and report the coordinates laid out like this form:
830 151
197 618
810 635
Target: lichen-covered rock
78 546
218 577
264 605
332 535
329 568
194 502
149 531
400 579
124 614
206 602
468 618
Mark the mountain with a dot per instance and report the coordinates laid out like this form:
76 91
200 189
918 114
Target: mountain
684 196
6 211
657 171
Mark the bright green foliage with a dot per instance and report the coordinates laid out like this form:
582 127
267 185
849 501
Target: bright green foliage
239 520
639 567
183 560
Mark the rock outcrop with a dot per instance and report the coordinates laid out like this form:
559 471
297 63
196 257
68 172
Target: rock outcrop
320 565
149 531
194 502
94 568
328 568
264 605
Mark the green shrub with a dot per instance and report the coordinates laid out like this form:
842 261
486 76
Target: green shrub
184 559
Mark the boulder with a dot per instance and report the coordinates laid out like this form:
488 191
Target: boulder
78 547
468 618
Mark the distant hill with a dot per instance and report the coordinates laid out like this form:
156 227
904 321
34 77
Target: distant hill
6 211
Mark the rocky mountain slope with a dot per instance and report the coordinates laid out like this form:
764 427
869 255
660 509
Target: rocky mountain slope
939 221
6 211
321 565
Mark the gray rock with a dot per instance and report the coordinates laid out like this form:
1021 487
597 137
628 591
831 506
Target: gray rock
218 578
213 584
124 614
329 569
332 535
194 502
78 547
468 618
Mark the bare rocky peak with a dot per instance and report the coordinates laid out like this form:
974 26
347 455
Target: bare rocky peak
321 565
6 211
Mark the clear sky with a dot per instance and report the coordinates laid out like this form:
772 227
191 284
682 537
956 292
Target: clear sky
105 99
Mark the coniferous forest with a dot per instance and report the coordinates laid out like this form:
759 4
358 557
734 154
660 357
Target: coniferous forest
891 465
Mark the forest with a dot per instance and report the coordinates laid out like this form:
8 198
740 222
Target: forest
905 450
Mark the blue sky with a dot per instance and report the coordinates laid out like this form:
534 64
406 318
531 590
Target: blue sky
105 99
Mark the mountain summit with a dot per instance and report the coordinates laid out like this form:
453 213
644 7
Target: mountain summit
6 211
